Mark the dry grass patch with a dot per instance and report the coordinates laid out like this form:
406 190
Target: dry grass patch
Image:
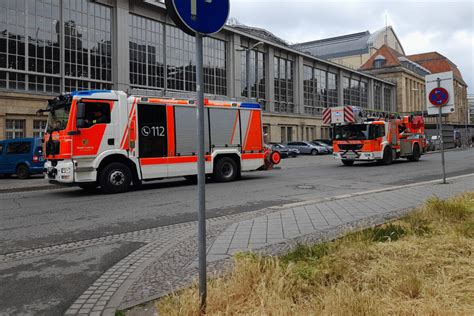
419 265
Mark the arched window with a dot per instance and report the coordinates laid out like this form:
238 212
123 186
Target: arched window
379 61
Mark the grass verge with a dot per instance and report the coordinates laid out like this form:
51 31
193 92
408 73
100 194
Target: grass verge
421 264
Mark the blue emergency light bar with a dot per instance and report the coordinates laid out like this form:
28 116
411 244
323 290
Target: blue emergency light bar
250 105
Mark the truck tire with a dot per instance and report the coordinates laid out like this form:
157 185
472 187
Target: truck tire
416 153
387 158
115 178
22 172
225 170
347 162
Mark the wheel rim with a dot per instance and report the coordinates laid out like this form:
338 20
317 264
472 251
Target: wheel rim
117 178
227 170
21 172
275 158
314 152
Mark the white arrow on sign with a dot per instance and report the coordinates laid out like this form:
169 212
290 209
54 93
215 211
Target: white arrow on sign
194 6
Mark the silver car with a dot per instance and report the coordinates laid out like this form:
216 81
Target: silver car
308 148
319 143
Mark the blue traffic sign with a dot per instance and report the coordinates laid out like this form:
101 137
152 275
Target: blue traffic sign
439 96
199 16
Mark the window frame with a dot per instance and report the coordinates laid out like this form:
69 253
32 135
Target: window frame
15 130
108 112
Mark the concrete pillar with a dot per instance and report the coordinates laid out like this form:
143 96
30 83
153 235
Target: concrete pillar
402 106
383 97
370 94
270 86
340 90
120 44
28 126
234 75
298 85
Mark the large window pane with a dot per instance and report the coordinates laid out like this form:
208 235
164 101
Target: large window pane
181 63
88 45
284 90
257 76
146 53
320 90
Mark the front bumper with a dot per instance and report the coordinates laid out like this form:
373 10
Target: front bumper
358 156
61 172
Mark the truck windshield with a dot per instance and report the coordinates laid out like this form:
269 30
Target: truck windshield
351 132
359 132
58 117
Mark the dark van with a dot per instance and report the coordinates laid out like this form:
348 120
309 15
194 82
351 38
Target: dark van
21 156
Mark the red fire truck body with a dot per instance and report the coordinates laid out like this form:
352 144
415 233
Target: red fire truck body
107 139
357 137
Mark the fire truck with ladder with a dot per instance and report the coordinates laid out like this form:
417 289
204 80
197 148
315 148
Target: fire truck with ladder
108 139
359 137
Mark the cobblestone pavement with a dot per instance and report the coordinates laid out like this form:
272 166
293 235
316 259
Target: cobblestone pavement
168 261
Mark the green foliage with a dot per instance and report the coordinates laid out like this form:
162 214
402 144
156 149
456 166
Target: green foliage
307 253
385 233
449 210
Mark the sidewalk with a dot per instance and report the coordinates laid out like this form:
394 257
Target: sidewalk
169 262
35 182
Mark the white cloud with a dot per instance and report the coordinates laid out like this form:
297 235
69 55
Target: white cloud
446 26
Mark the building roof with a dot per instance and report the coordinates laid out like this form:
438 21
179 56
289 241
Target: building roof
393 59
345 45
259 32
436 63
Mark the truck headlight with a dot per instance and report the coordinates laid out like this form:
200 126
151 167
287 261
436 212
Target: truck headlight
65 170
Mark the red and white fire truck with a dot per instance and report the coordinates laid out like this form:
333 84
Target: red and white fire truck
359 137
108 139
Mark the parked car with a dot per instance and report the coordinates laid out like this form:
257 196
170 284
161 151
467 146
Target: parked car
21 156
285 151
320 143
325 141
308 148
434 143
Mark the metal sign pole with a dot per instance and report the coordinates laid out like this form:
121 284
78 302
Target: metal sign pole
201 173
440 119
200 18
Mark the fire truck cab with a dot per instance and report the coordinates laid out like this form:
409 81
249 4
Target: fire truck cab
108 139
358 137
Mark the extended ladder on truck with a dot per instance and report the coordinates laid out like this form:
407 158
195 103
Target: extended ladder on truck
358 137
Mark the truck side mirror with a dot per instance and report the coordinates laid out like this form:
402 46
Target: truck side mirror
81 111
80 115
80 123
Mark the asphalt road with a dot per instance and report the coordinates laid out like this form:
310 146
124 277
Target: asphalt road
49 284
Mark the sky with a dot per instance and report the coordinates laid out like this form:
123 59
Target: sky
422 25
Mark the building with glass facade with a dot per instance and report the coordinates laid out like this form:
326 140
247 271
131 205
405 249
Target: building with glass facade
49 47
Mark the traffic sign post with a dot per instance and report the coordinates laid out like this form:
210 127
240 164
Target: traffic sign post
439 97
440 100
199 18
